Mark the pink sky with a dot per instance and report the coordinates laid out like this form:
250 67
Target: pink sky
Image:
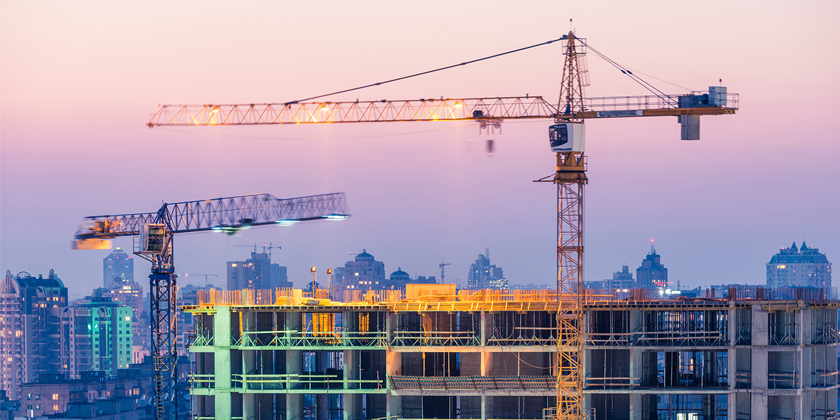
78 81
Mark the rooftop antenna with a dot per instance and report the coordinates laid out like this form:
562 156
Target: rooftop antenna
652 247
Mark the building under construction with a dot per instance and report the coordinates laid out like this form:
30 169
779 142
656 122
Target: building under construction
432 353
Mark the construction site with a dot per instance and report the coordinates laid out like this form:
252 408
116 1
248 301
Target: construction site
432 351
435 353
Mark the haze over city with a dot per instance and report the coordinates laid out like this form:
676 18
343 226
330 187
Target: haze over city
79 82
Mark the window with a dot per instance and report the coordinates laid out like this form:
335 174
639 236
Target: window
55 397
55 407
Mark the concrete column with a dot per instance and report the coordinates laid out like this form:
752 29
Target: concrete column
485 400
760 326
731 405
352 402
805 328
221 362
731 367
803 405
393 364
294 366
759 369
635 406
485 328
758 406
732 324
635 372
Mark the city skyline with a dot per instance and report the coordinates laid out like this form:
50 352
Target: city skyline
419 192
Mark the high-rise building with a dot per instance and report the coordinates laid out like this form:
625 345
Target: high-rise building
131 294
117 268
651 274
257 272
483 275
363 273
620 280
96 334
29 328
800 267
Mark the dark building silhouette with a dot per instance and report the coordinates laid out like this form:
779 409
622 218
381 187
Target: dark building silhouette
117 268
651 274
621 280
256 273
484 275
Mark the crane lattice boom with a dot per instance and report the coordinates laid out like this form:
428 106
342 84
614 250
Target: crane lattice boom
446 109
217 214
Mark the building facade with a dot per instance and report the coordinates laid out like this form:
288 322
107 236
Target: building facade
620 280
480 358
96 335
256 273
29 328
363 273
55 394
799 267
117 268
652 275
484 275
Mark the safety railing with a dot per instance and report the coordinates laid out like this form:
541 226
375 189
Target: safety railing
291 338
314 382
435 338
783 380
202 381
824 379
608 339
523 336
681 338
473 383
611 383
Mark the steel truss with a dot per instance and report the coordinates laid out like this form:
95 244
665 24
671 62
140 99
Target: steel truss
221 214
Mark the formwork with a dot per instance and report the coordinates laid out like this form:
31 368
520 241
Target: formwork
438 354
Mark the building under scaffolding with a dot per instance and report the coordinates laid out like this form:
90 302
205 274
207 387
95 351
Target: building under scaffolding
435 354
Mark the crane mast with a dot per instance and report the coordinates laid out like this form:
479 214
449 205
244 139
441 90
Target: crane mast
570 178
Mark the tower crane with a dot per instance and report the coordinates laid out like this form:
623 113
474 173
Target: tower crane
566 140
265 248
154 234
442 265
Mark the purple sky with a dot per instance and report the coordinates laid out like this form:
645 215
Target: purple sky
79 80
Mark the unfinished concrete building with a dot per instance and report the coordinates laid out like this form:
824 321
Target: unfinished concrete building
490 355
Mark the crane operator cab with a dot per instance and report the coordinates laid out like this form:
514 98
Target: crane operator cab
567 137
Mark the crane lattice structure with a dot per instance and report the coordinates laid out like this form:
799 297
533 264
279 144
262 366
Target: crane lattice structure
153 240
566 138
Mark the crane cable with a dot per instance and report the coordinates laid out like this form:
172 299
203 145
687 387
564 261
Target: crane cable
425 72
652 89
